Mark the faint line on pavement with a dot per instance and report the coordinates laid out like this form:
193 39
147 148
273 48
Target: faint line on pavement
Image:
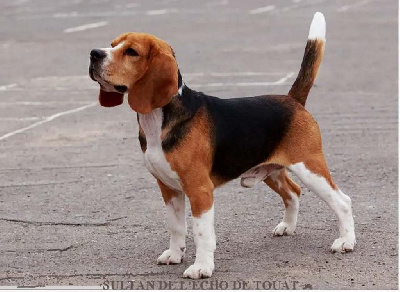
46 120
262 9
6 87
350 6
85 27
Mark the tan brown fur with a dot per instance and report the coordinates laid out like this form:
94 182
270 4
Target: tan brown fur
192 161
283 185
167 193
303 143
313 54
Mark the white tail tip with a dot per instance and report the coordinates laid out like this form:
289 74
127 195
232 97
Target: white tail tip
317 27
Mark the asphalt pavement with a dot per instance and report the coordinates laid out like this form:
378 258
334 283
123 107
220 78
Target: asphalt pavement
78 207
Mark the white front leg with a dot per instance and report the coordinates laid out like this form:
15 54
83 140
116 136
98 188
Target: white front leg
176 221
204 238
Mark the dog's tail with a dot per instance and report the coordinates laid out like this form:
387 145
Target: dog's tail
311 60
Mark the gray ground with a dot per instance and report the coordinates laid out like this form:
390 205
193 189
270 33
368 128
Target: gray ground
77 206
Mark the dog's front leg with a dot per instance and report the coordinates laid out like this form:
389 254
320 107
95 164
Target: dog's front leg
202 205
176 221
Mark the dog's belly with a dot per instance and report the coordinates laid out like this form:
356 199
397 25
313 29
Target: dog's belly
258 173
154 157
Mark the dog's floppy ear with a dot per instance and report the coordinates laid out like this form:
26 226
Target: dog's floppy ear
110 99
160 82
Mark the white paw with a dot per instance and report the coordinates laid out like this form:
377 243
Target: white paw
343 244
284 228
198 271
170 257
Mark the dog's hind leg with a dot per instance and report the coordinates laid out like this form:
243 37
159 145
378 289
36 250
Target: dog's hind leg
289 191
315 175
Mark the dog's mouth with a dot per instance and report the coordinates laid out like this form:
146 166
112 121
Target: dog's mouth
94 75
104 84
121 88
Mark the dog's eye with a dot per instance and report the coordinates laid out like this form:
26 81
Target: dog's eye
131 52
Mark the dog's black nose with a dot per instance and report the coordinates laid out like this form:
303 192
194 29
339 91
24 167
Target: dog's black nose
97 54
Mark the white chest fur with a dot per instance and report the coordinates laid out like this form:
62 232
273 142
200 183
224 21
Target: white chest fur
154 157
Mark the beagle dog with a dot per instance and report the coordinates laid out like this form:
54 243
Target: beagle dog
193 143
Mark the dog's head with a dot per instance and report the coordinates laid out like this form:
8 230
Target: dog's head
138 64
